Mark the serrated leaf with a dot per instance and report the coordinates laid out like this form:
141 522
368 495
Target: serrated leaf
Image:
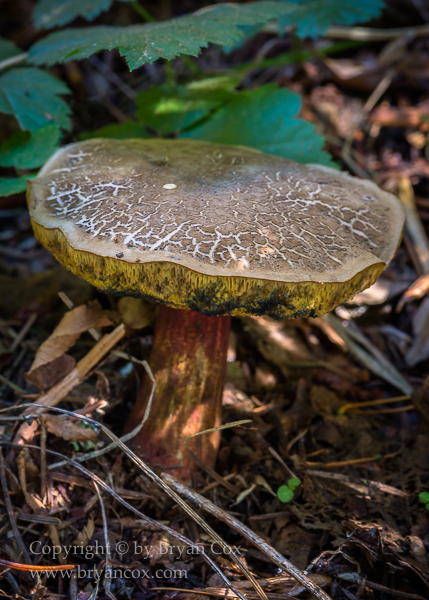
313 17
8 49
31 96
118 131
265 118
52 13
24 150
168 110
146 43
15 185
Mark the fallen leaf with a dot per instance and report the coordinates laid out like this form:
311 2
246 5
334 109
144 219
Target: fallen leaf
86 534
50 373
66 429
324 401
419 349
72 325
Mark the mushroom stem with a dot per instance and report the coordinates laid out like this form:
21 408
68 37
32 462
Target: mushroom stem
188 361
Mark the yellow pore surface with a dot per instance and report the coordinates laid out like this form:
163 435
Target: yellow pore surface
180 287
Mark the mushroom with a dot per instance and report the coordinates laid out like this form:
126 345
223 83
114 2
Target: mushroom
208 231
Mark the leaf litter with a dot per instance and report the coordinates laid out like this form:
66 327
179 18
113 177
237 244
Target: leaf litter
341 402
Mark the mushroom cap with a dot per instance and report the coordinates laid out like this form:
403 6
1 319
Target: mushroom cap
216 228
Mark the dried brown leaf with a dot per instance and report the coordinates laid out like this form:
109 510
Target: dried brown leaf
68 430
86 534
49 374
419 349
72 325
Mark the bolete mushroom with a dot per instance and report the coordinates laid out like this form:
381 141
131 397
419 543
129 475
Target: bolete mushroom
208 231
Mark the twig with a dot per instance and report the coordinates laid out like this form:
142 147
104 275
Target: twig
351 405
275 454
40 568
26 431
413 223
166 489
112 77
196 548
259 542
183 590
366 34
13 60
361 485
13 386
417 290
70 305
25 329
9 508
345 463
374 97
43 471
108 568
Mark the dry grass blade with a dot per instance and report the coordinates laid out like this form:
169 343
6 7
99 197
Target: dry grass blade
108 565
363 486
413 224
259 542
351 406
9 508
375 362
94 478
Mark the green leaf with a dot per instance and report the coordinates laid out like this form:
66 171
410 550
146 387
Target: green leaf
284 493
265 118
168 109
118 131
313 17
293 483
8 49
24 150
424 497
9 186
50 13
31 96
146 43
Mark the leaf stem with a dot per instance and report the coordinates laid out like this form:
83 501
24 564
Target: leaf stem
143 12
13 60
190 64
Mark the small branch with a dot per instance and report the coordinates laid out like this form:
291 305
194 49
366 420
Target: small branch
26 432
9 508
259 542
365 34
13 60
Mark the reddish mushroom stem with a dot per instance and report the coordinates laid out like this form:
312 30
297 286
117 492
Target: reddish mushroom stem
188 361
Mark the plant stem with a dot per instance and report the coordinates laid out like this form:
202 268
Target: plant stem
143 12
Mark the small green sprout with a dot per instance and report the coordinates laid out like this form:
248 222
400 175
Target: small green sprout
285 492
424 497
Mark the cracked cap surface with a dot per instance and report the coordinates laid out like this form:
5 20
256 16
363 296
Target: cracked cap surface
220 229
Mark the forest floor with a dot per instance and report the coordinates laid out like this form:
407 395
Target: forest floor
339 402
